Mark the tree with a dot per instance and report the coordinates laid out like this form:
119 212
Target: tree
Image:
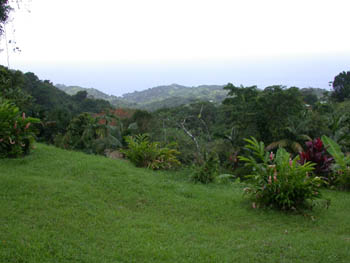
275 107
12 83
295 134
4 13
239 111
309 96
341 86
141 122
80 96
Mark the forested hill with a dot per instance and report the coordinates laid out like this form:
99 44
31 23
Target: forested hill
96 94
169 96
157 97
203 92
72 90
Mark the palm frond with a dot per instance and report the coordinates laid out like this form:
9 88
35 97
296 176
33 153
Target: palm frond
277 144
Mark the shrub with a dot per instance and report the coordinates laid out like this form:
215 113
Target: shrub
316 153
90 135
16 131
341 167
78 135
208 171
279 181
144 153
184 143
227 155
225 178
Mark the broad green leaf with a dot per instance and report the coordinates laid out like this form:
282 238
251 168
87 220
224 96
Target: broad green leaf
334 149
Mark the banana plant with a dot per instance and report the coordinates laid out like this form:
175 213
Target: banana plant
342 162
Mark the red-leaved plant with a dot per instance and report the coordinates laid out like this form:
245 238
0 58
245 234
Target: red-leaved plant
316 153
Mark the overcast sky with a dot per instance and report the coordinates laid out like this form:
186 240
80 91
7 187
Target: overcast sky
120 46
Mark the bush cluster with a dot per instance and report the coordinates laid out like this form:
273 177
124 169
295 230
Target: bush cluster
90 134
144 153
16 131
279 181
207 171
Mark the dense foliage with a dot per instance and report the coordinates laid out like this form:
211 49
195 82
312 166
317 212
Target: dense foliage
11 88
16 130
317 154
91 134
41 99
209 136
341 86
155 98
144 153
208 171
341 168
279 181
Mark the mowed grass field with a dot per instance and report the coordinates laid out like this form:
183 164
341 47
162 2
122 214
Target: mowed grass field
61 206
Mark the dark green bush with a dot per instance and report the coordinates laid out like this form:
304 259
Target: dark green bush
16 131
208 171
91 135
184 144
78 131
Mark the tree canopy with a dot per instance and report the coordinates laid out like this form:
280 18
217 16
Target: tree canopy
341 86
4 13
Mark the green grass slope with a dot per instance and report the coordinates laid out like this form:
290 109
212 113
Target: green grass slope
60 206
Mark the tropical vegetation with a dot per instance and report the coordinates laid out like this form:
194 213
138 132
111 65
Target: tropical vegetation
285 148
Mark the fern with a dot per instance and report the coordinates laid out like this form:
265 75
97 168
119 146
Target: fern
144 153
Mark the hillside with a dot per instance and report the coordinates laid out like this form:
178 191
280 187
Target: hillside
96 94
155 98
166 96
47 100
204 92
61 206
72 90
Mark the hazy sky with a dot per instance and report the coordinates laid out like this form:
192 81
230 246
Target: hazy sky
125 45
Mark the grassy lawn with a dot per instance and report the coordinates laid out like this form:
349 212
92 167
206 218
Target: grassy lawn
60 206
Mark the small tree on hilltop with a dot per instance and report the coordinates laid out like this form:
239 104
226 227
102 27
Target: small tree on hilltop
341 86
